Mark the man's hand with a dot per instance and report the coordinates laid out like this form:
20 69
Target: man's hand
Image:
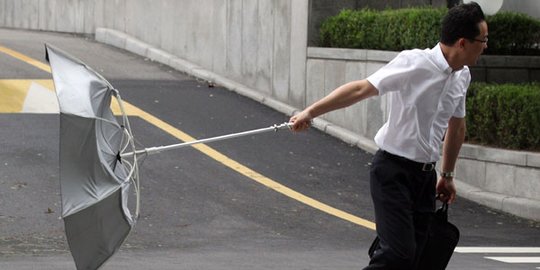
301 121
446 189
341 97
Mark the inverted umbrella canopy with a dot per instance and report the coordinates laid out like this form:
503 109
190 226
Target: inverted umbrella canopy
98 161
94 180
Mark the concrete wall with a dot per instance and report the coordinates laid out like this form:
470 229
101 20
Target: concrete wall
260 43
502 179
506 69
328 68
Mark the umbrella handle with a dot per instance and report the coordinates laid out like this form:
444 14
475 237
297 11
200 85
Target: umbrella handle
154 150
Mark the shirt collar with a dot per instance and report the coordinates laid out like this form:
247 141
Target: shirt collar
440 61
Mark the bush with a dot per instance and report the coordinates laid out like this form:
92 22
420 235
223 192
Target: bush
504 115
385 30
513 34
399 29
349 29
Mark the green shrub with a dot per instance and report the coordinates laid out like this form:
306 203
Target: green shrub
385 30
414 28
514 34
399 29
504 115
349 29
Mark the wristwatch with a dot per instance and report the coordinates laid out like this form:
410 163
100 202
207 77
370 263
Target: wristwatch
447 174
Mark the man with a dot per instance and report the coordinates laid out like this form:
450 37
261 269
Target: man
427 90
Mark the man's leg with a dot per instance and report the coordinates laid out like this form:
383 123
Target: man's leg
424 207
421 223
395 192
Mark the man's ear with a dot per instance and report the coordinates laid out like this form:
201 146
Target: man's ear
461 43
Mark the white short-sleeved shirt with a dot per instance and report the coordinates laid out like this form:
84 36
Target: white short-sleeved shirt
424 93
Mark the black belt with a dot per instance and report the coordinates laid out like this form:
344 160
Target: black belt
426 167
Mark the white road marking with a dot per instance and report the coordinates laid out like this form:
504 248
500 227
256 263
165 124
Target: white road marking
497 249
40 100
504 250
516 259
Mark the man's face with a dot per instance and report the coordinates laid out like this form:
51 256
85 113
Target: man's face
474 48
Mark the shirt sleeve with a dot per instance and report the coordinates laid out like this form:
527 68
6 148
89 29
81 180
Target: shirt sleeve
460 111
393 75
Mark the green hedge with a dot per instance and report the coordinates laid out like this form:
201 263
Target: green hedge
513 34
399 29
504 115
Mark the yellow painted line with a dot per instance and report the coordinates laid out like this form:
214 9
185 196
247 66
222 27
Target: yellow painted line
24 58
20 96
14 92
234 165
49 84
130 110
12 95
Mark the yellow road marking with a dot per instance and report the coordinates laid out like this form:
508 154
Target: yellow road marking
12 95
232 164
49 84
24 58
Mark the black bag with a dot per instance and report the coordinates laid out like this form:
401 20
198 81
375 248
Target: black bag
442 240
443 237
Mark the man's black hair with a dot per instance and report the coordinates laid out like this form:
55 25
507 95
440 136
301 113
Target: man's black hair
461 22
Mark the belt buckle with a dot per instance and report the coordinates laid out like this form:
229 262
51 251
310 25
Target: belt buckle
427 167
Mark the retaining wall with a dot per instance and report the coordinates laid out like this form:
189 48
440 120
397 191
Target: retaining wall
260 43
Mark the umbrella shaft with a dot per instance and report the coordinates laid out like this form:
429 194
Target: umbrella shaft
154 150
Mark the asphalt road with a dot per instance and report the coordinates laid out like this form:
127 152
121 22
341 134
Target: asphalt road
198 212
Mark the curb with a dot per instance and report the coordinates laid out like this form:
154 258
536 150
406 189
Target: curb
522 207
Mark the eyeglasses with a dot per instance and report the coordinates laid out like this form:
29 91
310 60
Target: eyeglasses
480 40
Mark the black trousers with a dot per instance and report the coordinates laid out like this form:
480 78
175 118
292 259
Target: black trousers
403 194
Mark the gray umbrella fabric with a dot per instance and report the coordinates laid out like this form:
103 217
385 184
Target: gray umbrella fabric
97 172
94 180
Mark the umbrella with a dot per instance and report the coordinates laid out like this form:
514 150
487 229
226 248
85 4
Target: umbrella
99 161
94 181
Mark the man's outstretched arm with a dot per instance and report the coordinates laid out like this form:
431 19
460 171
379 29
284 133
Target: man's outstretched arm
341 97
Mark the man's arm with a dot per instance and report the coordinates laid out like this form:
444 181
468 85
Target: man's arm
341 97
455 135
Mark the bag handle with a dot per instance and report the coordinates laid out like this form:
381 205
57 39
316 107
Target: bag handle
442 212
